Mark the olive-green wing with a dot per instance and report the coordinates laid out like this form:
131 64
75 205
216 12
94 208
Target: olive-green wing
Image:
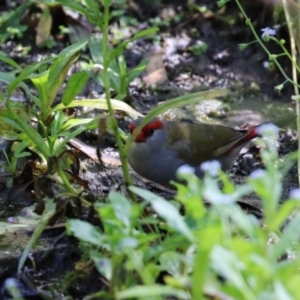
211 141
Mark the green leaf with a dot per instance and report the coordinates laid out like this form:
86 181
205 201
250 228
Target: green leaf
74 86
289 236
137 71
59 70
103 265
121 206
73 49
84 231
167 211
9 78
9 61
171 262
9 128
12 19
40 83
57 75
48 213
119 50
281 216
90 123
100 104
27 72
155 290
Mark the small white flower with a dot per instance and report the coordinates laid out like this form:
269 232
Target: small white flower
295 193
268 31
185 169
221 199
212 167
259 173
10 282
266 64
268 128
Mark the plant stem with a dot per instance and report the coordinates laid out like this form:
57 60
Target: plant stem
294 72
106 83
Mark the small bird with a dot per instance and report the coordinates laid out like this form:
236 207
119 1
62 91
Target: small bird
161 147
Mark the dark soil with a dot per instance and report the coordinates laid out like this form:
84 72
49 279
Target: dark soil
221 65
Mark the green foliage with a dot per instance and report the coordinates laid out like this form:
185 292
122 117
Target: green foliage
220 250
119 76
11 162
198 49
10 23
16 118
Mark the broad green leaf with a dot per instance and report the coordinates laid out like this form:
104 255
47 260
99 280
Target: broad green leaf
9 78
96 49
9 128
74 86
57 75
58 71
27 72
284 211
9 61
227 264
91 123
167 211
171 262
137 71
71 50
287 239
103 265
121 206
100 104
40 83
67 137
28 132
84 231
149 291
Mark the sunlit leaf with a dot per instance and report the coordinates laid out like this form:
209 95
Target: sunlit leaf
100 104
167 211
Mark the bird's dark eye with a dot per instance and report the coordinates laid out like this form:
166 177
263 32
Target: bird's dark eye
151 130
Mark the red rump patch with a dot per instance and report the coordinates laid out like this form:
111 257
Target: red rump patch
252 133
147 130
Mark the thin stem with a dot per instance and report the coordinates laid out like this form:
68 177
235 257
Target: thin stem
294 73
65 180
106 83
248 22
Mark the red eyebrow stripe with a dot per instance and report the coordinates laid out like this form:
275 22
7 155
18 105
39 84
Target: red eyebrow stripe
154 125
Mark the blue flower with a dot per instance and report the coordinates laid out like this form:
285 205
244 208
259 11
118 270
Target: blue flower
268 31
295 193
257 174
185 169
212 167
267 128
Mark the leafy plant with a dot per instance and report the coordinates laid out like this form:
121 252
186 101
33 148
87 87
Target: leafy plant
217 252
10 23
